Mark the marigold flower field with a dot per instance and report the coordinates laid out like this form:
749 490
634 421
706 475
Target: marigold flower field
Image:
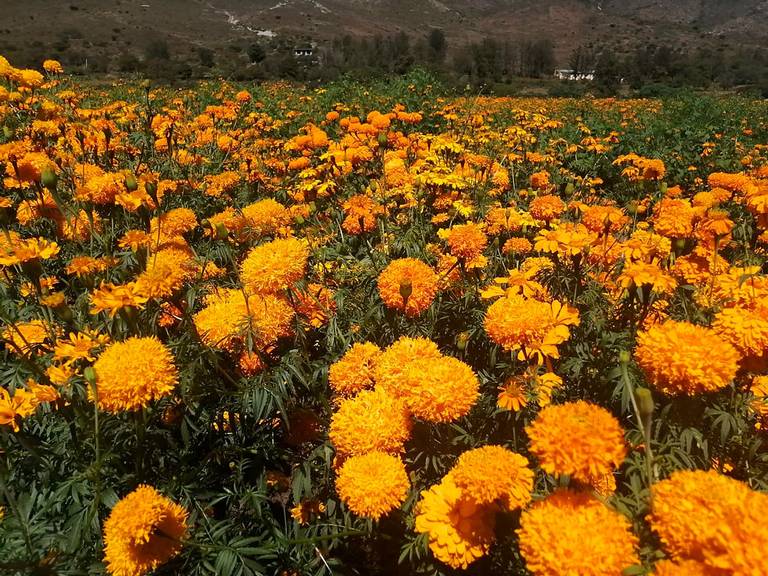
380 329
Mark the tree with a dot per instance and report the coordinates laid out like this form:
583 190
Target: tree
437 45
157 50
256 53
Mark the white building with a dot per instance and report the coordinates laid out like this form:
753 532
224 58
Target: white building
573 75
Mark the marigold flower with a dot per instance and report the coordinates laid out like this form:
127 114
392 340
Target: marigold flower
144 530
275 266
354 371
360 213
579 439
459 530
371 421
494 474
112 298
396 360
265 217
408 285
439 389
533 327
466 241
132 373
372 484
642 274
228 322
682 358
674 218
26 337
712 519
546 207
574 533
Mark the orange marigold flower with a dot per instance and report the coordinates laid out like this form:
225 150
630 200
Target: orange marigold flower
574 533
494 474
682 358
275 266
579 439
683 568
466 241
396 360
746 328
360 213
459 530
513 394
113 298
674 218
712 519
133 373
26 337
372 484
517 246
440 389
143 531
540 180
546 207
533 327
371 421
315 304
408 285
354 371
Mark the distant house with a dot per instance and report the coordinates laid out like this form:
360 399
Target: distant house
303 51
574 75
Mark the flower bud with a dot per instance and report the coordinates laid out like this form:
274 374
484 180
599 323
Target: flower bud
90 375
130 182
624 357
48 178
645 405
461 340
406 289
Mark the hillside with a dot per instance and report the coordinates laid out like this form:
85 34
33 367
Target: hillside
106 30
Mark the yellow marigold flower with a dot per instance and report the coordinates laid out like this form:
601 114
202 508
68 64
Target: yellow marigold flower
143 531
574 533
372 484
712 519
20 405
494 474
408 285
682 358
396 360
133 373
513 394
459 530
172 223
275 266
228 323
642 275
439 389
112 298
546 207
306 509
579 439
87 265
52 67
533 327
466 241
503 220
264 218
21 251
354 371
371 421
167 271
26 337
